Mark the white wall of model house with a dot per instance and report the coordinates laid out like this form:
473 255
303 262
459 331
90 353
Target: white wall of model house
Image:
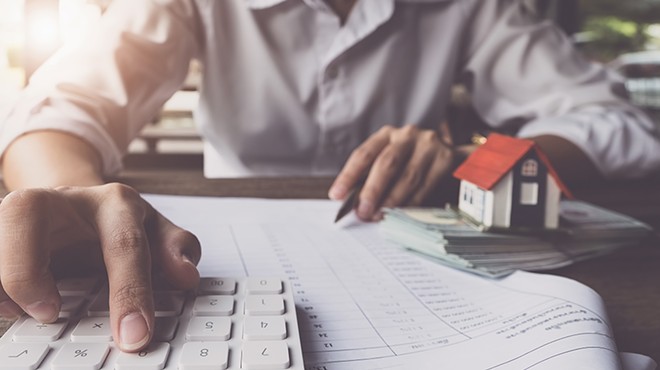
552 197
472 200
492 208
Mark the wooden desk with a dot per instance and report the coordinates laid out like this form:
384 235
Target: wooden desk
629 281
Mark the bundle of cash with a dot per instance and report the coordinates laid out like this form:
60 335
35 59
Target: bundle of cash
585 231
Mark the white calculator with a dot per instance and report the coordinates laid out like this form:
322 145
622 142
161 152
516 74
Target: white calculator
245 323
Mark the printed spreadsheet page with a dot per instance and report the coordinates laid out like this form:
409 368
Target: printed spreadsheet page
363 303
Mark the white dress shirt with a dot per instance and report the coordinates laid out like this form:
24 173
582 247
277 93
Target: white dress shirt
289 90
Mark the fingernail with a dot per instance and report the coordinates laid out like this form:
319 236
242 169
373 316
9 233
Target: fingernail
133 332
365 209
187 258
337 192
42 311
10 310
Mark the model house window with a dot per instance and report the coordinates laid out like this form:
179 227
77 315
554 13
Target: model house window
529 193
530 168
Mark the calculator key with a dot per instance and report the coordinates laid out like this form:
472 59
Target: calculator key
264 328
204 356
264 286
165 328
71 305
209 328
265 355
153 358
33 331
168 304
22 355
220 286
213 305
264 305
218 330
92 329
77 286
80 356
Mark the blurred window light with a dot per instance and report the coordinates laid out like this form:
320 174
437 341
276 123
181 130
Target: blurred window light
11 25
42 28
41 31
11 47
11 19
76 18
32 30
53 22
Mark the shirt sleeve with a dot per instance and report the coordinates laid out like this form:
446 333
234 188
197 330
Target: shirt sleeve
108 87
526 77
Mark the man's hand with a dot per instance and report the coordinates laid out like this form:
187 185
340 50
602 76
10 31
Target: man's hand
49 233
399 166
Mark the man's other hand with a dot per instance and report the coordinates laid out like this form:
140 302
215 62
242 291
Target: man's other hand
399 167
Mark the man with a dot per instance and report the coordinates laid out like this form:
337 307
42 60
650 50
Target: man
290 87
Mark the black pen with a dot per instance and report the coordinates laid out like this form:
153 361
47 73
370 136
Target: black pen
350 202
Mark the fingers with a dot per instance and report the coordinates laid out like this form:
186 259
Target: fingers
175 251
9 309
41 229
416 170
129 244
383 173
400 169
359 163
404 165
24 263
441 165
120 217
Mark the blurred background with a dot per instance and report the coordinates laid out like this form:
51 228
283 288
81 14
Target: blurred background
623 33
32 30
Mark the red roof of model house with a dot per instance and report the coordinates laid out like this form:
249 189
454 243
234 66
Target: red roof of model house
487 165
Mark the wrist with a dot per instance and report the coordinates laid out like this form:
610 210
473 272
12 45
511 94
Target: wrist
50 159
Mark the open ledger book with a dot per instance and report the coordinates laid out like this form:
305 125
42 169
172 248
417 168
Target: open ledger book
366 304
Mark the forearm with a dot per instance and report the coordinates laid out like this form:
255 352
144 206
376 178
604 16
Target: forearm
49 159
570 162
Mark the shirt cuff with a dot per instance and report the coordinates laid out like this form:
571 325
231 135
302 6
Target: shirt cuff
620 143
48 119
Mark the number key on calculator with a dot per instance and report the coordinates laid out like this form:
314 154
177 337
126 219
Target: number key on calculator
243 323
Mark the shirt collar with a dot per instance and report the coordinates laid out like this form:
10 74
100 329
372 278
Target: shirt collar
262 4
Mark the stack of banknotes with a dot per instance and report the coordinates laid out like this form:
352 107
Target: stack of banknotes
585 231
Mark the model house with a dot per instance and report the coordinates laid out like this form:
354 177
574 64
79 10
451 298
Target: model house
509 183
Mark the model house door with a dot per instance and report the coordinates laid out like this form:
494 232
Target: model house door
529 190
